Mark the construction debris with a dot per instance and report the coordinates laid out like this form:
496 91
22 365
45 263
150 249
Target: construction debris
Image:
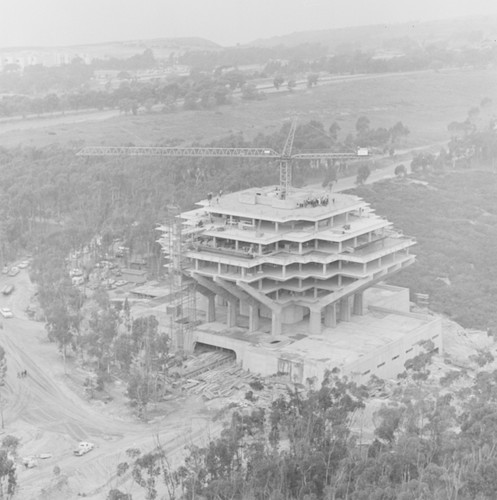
215 374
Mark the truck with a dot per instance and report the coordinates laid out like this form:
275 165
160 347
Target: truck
83 448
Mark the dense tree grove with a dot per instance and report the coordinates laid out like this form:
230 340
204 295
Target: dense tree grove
474 140
453 222
8 472
50 190
430 442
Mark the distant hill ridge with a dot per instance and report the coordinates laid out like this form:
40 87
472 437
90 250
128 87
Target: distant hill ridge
456 31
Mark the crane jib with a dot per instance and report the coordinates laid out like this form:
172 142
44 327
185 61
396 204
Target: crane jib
192 151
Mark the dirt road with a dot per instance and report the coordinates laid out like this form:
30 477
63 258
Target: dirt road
49 417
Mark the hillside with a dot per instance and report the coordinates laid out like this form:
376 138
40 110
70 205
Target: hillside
161 47
453 218
455 32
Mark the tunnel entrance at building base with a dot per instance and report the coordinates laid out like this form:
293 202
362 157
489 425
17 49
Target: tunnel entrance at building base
207 357
202 348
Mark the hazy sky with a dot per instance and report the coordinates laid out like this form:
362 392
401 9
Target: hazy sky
68 22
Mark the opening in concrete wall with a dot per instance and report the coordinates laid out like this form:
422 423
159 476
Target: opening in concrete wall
201 348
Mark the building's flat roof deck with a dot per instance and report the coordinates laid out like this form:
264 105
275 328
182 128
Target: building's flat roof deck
354 339
264 204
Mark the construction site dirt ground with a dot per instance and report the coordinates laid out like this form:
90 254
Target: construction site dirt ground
48 412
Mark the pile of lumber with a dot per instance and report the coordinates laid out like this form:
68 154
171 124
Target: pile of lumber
220 378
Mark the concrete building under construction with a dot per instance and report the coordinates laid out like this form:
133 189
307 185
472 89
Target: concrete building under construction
293 284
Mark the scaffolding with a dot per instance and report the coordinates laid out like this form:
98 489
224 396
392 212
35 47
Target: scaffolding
181 307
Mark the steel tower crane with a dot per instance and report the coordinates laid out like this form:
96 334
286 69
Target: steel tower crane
284 158
183 292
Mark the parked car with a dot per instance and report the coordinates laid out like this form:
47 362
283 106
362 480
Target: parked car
29 462
8 289
83 448
14 271
77 280
5 269
6 312
23 265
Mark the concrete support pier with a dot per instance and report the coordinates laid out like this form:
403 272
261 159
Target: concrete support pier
330 316
314 321
345 309
232 310
359 303
253 318
211 308
276 323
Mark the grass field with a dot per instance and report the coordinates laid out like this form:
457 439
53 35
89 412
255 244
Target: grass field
424 101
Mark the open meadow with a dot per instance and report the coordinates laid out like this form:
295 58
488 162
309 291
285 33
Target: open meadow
425 101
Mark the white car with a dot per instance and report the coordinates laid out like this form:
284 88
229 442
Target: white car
83 448
6 312
23 265
29 462
14 271
78 280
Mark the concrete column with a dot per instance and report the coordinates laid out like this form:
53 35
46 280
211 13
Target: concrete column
315 321
232 310
276 323
253 318
359 303
211 308
345 309
330 316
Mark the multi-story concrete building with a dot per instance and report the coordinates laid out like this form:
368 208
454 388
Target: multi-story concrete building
310 255
274 268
